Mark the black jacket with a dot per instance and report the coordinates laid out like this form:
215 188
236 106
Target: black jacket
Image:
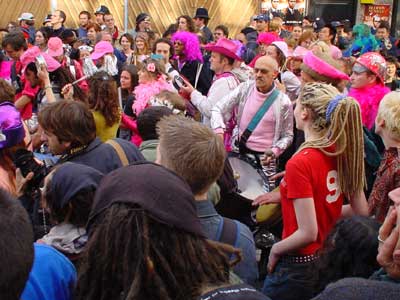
189 70
103 157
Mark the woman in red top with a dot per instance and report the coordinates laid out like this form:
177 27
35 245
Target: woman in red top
328 167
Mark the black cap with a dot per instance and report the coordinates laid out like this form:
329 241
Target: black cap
141 17
47 19
102 10
336 24
71 178
165 196
201 12
262 17
319 24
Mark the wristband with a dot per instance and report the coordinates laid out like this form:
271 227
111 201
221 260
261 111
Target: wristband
48 87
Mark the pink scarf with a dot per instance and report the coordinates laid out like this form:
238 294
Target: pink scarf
144 91
369 98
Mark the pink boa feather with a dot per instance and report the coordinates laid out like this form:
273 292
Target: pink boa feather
144 91
369 98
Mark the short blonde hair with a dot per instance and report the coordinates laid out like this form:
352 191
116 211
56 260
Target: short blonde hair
192 151
389 110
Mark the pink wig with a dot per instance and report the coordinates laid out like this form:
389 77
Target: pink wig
267 38
192 45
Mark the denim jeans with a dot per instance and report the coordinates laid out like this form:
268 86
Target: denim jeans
291 282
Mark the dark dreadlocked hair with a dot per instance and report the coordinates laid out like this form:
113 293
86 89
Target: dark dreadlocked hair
131 256
350 250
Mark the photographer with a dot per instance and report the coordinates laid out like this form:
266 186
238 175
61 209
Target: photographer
69 130
49 76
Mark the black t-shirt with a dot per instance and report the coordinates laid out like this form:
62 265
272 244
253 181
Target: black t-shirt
128 106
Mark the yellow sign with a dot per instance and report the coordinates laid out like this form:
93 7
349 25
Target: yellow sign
367 1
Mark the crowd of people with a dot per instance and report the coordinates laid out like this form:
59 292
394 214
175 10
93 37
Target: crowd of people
120 155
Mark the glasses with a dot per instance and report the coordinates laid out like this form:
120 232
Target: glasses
178 43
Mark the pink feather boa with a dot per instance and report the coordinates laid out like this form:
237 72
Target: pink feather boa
144 91
369 98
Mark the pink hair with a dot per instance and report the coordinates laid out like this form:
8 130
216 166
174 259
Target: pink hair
192 45
267 38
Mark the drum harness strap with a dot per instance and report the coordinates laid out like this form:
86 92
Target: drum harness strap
256 120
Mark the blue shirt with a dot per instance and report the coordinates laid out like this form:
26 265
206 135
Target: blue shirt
210 220
82 32
52 277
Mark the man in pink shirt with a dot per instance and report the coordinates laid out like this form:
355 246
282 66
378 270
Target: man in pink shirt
275 129
327 35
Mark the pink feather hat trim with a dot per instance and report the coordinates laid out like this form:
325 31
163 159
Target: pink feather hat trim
321 67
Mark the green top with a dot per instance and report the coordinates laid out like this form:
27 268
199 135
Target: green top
149 150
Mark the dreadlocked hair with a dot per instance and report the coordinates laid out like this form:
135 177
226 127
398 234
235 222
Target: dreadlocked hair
131 256
343 131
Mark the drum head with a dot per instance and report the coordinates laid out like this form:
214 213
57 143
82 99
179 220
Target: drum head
249 182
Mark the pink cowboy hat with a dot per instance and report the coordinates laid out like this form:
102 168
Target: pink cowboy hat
55 47
225 47
323 68
102 48
283 47
300 52
31 54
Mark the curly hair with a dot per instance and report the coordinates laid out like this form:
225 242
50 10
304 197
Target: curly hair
132 256
103 97
189 21
350 250
191 45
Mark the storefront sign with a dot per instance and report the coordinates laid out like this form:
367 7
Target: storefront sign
290 11
383 11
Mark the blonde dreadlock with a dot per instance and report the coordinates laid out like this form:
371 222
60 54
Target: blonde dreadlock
343 131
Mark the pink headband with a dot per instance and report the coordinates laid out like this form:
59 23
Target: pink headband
323 68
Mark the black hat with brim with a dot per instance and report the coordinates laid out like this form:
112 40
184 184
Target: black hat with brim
201 12
162 194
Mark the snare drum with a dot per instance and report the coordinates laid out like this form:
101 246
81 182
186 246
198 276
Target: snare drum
250 182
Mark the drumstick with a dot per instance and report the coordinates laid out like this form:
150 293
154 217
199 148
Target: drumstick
80 79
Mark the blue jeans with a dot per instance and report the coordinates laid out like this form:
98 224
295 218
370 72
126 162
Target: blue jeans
291 282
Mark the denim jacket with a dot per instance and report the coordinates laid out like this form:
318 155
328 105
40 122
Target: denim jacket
210 220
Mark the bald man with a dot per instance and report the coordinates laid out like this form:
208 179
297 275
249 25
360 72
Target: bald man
274 129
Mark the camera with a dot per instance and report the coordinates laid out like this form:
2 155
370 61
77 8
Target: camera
40 61
25 161
178 82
